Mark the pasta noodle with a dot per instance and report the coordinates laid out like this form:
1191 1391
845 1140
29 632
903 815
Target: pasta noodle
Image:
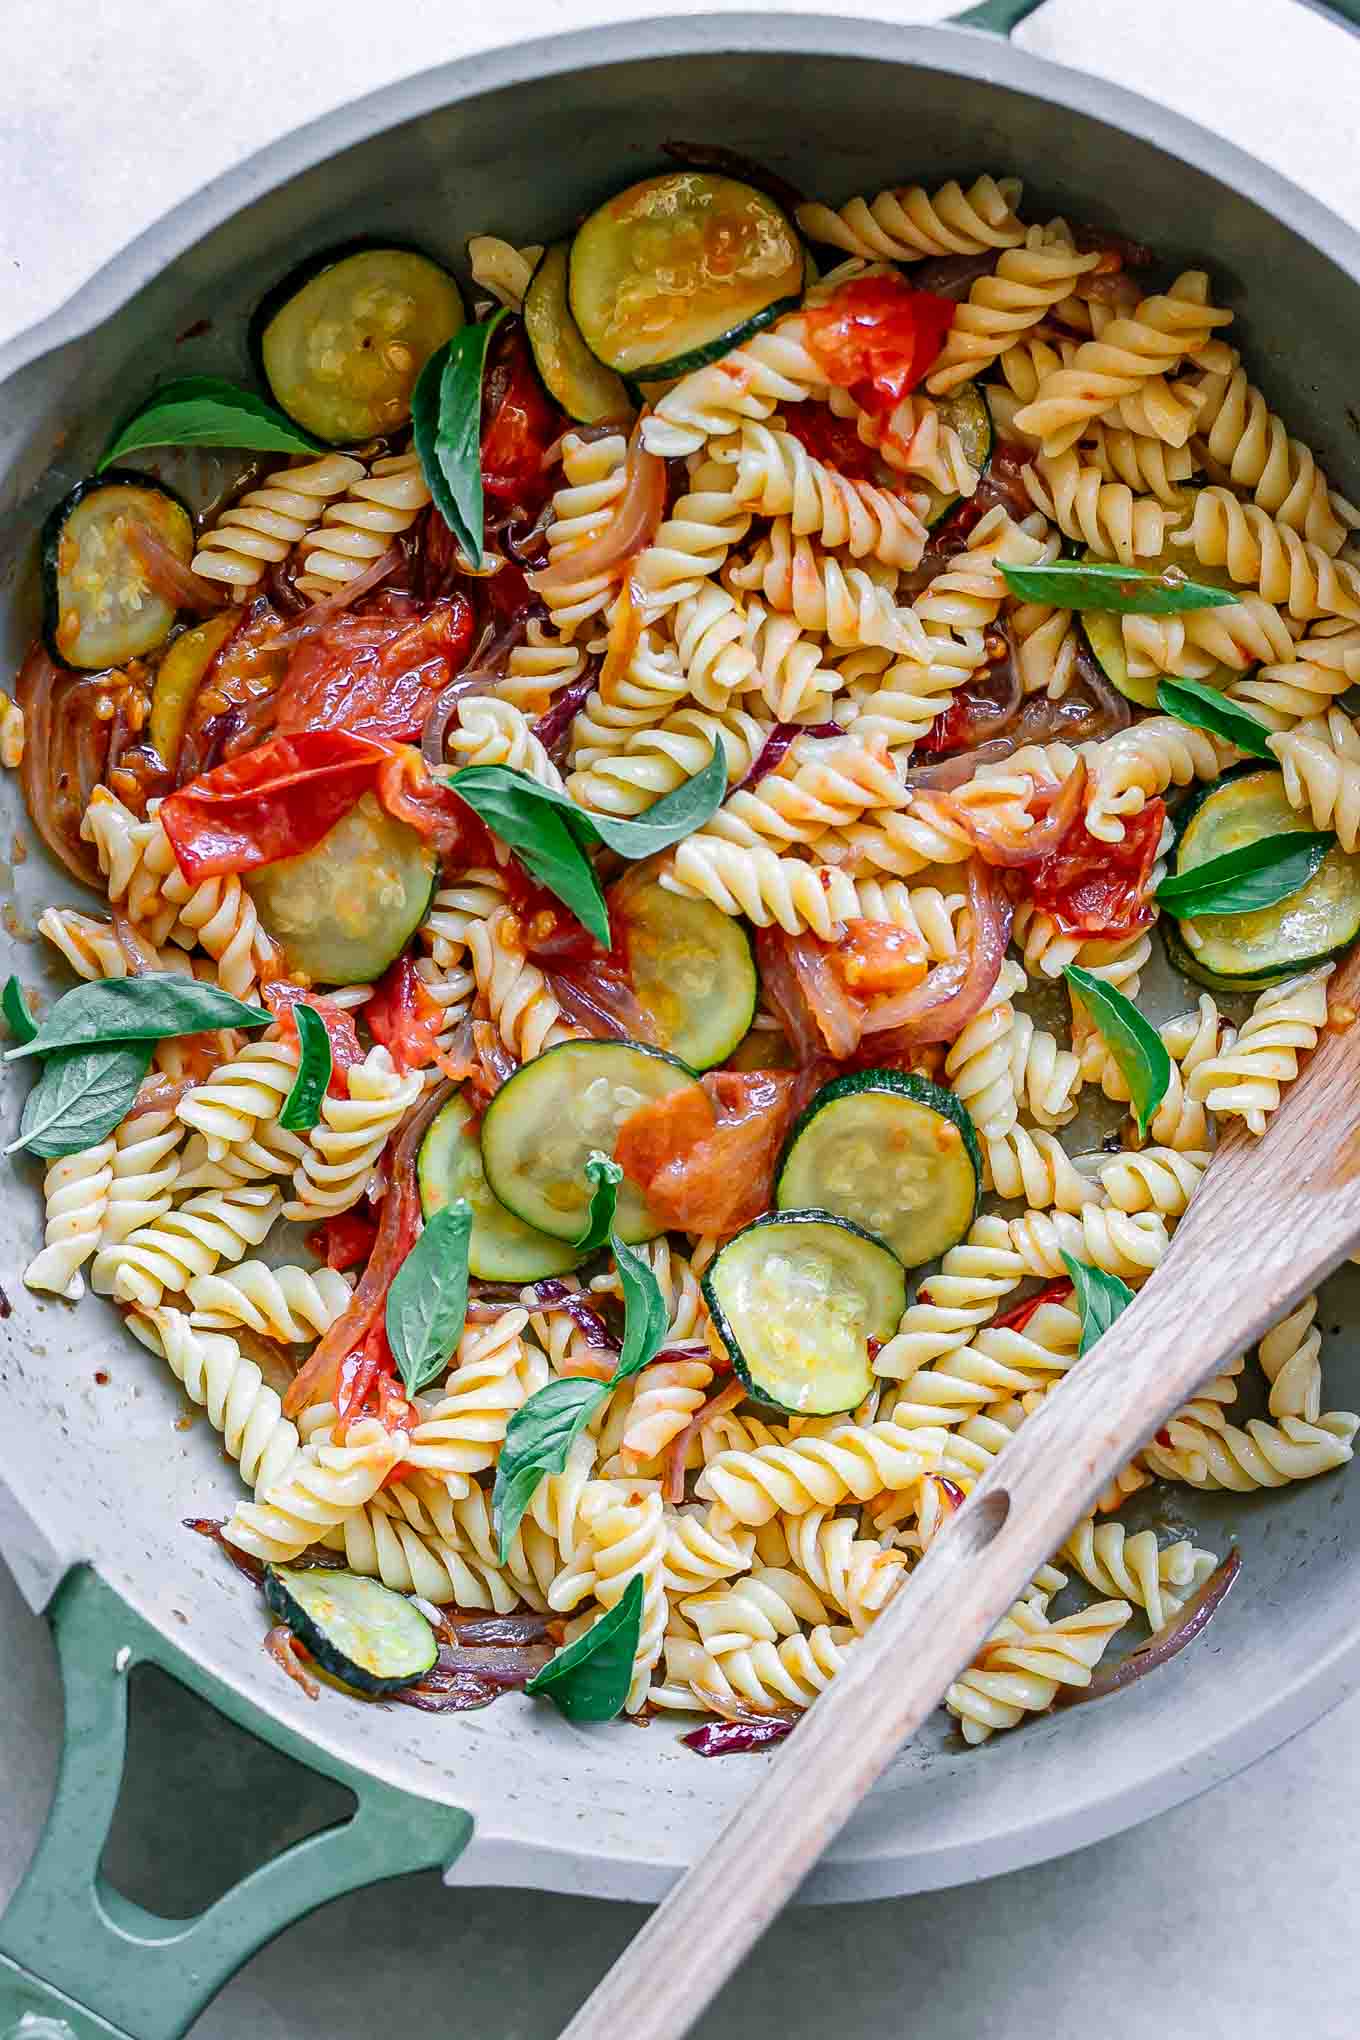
269 522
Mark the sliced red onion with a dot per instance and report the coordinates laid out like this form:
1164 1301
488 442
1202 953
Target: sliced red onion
632 525
314 619
953 276
447 1693
553 727
506 1666
1198 1612
524 1626
949 773
997 845
443 712
839 1018
600 1000
283 1647
733 1738
771 753
169 577
941 1007
678 1450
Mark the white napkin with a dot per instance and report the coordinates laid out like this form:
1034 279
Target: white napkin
105 130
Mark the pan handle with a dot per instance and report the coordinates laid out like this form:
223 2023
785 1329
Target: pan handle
80 1962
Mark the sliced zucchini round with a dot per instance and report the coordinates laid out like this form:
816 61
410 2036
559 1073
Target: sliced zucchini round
796 1298
968 413
358 1631
178 678
545 1122
1231 952
1105 636
674 271
502 1247
99 606
692 969
583 386
891 1152
345 909
341 340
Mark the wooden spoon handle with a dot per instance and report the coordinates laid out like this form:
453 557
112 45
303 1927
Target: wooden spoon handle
1275 1216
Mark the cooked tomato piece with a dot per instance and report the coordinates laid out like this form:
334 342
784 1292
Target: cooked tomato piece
877 337
876 956
831 440
1101 889
343 1241
404 1017
376 676
283 994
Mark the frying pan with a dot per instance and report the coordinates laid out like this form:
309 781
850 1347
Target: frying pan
95 1475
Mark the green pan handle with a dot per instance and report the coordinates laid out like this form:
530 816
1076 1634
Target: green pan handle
1000 16
80 1962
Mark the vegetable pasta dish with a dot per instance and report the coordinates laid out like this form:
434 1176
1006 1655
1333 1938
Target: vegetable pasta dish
629 832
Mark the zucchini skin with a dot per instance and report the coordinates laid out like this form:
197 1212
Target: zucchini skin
721 1323
49 542
303 273
329 1659
1180 955
701 357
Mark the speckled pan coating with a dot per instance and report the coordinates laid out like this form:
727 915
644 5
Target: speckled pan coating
520 141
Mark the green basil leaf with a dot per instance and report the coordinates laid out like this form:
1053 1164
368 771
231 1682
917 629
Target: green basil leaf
146 1008
1134 1042
645 1315
1100 1299
14 1004
1253 876
446 420
1102 584
589 1680
547 845
302 1106
1204 708
537 1440
606 1176
80 1097
668 820
205 410
427 1302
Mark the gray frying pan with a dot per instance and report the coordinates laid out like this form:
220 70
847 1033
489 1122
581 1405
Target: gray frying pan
96 1477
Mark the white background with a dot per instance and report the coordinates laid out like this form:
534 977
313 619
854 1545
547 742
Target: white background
1230 1919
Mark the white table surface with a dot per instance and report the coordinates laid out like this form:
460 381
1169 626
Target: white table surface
1232 1918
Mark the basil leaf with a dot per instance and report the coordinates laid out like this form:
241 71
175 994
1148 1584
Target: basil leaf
1100 1298
427 1302
138 1009
204 410
546 845
589 1680
302 1106
1242 881
1102 584
1134 1043
645 1315
446 420
1204 708
668 820
14 1004
537 1440
606 1176
80 1097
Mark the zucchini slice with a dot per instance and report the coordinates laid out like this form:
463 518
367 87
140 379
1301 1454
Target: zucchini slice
674 271
178 678
795 1298
1231 952
343 910
544 1123
341 340
99 607
1105 636
967 411
502 1248
583 386
893 1153
692 968
357 1630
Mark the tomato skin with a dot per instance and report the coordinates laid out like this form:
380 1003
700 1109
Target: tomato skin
1018 1317
403 1017
274 801
346 1054
1100 889
877 337
343 1241
519 423
347 677
831 440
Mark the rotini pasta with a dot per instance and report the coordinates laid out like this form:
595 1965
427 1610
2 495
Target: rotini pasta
269 522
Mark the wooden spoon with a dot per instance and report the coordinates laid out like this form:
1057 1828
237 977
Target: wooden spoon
1271 1218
